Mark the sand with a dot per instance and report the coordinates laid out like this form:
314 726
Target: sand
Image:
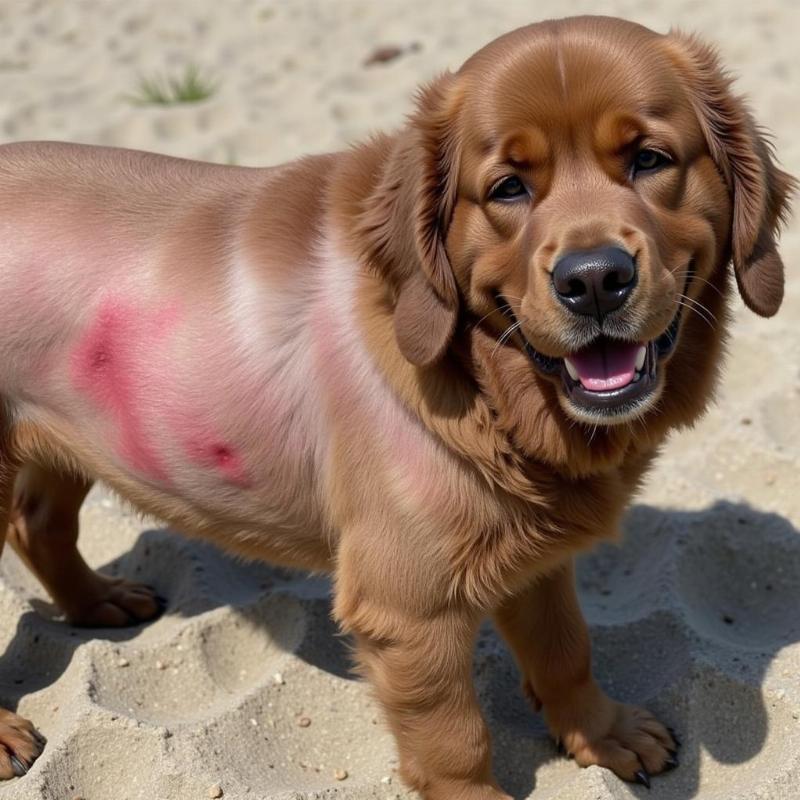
243 685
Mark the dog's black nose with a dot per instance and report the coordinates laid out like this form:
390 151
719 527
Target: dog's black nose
594 282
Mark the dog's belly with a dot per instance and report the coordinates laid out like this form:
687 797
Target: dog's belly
201 406
192 405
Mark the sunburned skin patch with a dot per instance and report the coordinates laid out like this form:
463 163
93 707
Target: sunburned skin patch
107 367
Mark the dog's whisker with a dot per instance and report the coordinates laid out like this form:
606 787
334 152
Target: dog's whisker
505 336
698 312
681 276
699 305
687 303
498 310
508 332
700 315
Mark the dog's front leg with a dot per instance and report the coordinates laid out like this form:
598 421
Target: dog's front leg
550 640
420 666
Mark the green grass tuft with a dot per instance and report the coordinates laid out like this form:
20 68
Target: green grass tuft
164 90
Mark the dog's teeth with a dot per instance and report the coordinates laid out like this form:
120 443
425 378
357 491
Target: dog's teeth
573 373
640 357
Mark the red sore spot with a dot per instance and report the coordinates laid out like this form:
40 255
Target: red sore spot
100 357
223 458
93 368
106 367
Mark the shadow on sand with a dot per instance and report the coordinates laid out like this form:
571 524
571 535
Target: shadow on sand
687 615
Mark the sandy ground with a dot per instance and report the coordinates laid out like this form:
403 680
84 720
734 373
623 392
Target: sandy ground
243 683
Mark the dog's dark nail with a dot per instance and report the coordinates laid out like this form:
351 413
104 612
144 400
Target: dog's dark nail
674 736
19 767
643 778
560 747
671 762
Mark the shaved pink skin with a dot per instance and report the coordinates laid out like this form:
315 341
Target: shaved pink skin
214 372
109 365
106 368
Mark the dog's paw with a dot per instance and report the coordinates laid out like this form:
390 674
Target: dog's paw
20 745
115 603
628 740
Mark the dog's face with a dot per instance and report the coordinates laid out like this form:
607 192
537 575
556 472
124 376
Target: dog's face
589 210
584 184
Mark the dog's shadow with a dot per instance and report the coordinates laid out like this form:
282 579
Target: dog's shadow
687 615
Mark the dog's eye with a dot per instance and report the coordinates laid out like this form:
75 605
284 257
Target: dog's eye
510 188
649 160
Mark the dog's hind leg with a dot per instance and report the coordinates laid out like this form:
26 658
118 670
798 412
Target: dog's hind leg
20 744
44 532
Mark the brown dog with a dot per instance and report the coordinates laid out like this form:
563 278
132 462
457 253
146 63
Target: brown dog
437 364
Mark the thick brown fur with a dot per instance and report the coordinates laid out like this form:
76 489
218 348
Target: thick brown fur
482 485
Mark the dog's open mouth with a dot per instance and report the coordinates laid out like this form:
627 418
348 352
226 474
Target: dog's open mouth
609 377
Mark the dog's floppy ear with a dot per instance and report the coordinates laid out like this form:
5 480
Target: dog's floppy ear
759 190
405 221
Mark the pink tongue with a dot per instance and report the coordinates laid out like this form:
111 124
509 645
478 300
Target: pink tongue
606 365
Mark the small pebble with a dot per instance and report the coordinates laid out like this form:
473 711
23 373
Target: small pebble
160 665
382 55
215 791
278 678
340 774
123 662
304 722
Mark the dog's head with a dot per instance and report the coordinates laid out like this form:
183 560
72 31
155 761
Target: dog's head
578 188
